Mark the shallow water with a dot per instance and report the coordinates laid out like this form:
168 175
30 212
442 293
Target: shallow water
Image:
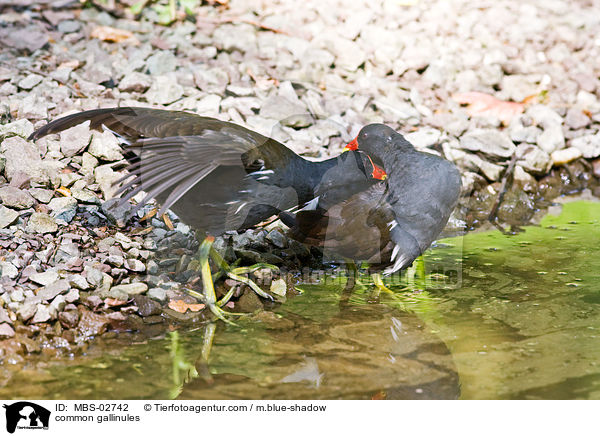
502 316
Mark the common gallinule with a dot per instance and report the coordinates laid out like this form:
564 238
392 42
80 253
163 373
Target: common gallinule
218 176
388 224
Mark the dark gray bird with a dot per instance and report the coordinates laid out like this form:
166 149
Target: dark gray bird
391 223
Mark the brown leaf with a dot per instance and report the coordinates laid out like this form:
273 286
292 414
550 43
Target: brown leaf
482 104
111 34
112 302
64 191
181 306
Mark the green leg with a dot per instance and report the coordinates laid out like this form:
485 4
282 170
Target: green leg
236 273
378 282
209 298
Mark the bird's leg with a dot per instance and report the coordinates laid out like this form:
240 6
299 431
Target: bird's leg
379 285
415 274
209 297
236 273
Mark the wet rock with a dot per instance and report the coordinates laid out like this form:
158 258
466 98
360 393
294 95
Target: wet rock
105 146
277 238
69 319
7 216
6 331
74 140
488 141
41 223
589 145
158 294
560 157
278 287
533 159
248 302
63 208
16 198
146 306
92 324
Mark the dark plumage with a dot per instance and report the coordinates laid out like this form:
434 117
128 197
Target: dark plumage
391 223
217 176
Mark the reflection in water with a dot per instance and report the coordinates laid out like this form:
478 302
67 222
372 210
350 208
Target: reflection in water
503 317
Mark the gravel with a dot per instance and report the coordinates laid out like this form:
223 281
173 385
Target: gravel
327 71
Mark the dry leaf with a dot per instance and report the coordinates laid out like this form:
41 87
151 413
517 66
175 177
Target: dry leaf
181 306
64 191
168 222
111 34
480 104
112 302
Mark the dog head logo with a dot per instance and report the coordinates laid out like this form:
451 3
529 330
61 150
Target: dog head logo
26 415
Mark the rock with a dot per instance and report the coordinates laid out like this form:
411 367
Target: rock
44 278
135 82
565 155
115 213
24 157
74 140
93 276
158 294
52 290
474 163
105 146
161 62
30 81
135 265
552 138
278 287
6 331
164 90
41 223
84 196
69 319
533 159
488 141
105 176
7 269
7 216
146 306
26 311
41 195
42 314
517 87
130 289
589 145
248 302
576 119
277 238
424 138
279 108
73 295
92 324
69 26
16 198
63 208
22 128
4 316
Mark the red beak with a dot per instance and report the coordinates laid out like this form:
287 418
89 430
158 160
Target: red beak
378 172
352 145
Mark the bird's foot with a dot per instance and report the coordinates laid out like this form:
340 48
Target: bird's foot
379 285
238 274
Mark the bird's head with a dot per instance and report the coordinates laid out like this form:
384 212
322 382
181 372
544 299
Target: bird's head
377 140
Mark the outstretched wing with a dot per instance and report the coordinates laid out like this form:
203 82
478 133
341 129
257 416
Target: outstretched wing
232 176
